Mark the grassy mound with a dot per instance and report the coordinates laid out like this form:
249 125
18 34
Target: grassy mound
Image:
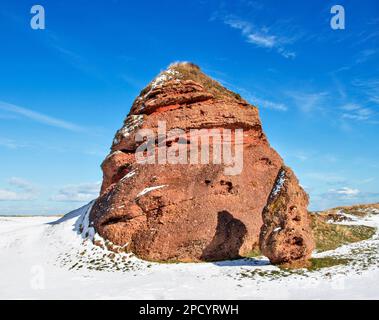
190 71
331 236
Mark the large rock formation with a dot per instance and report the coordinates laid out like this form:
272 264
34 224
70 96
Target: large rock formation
198 212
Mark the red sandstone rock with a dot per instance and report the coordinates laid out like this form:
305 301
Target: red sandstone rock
189 212
286 235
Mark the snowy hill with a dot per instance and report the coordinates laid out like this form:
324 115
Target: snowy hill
44 258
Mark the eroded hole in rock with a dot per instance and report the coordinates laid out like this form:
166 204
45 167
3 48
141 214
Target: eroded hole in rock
228 184
297 241
115 220
207 182
266 161
121 172
125 168
154 94
127 151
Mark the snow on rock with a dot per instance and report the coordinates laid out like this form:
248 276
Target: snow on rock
128 175
132 122
161 79
167 75
279 183
113 154
147 190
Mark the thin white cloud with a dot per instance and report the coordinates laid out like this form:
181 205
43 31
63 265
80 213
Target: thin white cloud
369 88
301 156
365 55
343 196
254 99
326 177
39 117
10 144
260 37
315 156
267 104
365 181
261 40
78 193
23 190
356 112
22 184
308 102
344 192
350 194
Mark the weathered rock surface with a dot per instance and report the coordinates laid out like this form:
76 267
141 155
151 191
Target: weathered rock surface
194 212
286 235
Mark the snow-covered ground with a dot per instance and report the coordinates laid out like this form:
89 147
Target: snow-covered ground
41 258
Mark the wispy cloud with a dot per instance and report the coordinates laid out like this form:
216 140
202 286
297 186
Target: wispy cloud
10 144
326 178
367 180
78 193
308 102
350 194
39 117
356 112
23 190
253 98
344 192
369 88
365 55
267 104
261 37
76 60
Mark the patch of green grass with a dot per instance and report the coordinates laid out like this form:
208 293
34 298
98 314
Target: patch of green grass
272 274
253 253
331 236
326 262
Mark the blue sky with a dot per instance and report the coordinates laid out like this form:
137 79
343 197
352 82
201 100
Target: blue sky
65 90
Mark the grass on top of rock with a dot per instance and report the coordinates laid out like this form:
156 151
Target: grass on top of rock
331 236
191 71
